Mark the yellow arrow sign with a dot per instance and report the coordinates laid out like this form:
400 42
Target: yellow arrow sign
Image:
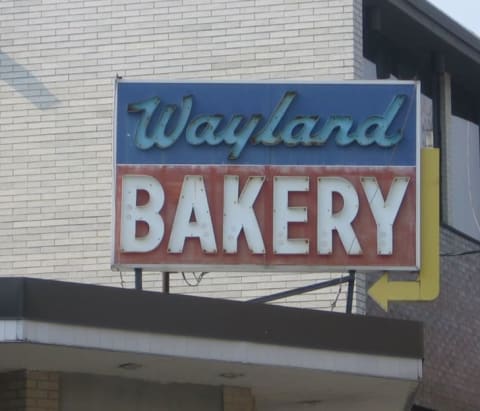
427 285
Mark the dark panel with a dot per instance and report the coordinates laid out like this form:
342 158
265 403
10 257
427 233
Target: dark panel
11 298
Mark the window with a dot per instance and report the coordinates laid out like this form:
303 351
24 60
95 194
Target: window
462 173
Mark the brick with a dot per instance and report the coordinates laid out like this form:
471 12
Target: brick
31 397
238 399
57 109
451 366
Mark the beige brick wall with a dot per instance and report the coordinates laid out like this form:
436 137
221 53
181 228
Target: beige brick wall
12 391
238 399
58 61
26 390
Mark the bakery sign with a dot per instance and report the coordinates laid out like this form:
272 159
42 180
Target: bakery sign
266 176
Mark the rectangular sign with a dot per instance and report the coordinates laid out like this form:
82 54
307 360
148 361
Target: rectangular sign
266 176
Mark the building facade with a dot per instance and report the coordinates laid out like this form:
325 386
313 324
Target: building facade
58 65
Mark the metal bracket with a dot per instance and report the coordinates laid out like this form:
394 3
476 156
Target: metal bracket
350 279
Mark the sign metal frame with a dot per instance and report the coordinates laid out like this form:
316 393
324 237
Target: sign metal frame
178 264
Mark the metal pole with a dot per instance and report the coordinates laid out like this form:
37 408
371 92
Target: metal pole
301 290
166 282
351 285
138 278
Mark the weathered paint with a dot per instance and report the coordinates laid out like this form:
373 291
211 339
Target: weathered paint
315 133
324 124
171 178
151 131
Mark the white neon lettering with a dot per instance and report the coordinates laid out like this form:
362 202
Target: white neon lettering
238 214
283 215
148 213
385 211
340 221
193 201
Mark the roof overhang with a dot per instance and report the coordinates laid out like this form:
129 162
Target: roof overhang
418 39
289 357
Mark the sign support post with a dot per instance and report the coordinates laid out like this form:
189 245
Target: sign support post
138 278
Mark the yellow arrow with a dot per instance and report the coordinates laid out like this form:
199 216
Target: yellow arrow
427 285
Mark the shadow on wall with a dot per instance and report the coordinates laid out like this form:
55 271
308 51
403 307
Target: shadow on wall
26 83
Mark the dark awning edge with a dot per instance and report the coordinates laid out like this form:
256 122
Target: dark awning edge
442 25
146 311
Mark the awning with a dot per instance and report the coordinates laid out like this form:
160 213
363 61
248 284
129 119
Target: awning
290 358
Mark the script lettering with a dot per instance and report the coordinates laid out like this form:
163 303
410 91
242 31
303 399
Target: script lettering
306 130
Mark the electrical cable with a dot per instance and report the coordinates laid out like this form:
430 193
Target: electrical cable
460 253
334 303
198 279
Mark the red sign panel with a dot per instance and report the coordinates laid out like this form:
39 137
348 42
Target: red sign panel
290 218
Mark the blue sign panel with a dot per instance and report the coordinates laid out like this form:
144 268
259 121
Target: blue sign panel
347 124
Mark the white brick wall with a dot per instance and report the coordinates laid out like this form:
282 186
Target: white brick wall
58 60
